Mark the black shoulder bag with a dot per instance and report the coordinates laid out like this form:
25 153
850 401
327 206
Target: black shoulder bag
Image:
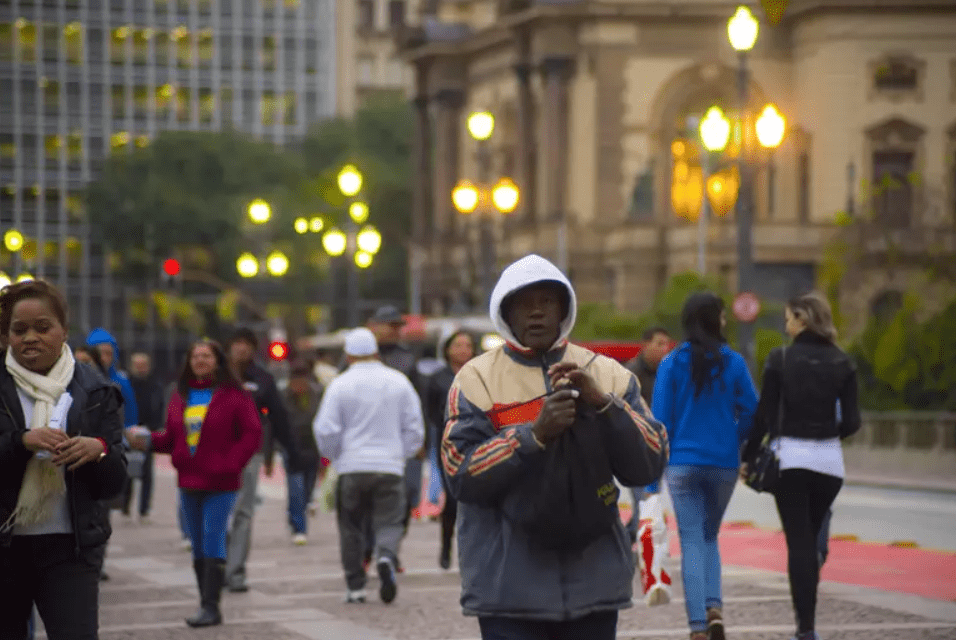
570 498
764 467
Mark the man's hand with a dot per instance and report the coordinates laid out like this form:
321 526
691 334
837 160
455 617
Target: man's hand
77 451
568 373
744 471
44 439
556 415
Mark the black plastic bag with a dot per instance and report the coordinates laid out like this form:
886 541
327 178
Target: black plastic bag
570 498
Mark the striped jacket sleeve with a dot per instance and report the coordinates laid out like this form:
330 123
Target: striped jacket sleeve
480 463
637 442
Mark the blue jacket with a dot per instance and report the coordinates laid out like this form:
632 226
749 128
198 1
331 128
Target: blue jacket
707 430
130 411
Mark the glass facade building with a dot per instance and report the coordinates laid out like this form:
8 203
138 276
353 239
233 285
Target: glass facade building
80 79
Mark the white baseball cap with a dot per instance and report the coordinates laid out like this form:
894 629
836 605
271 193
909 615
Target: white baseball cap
360 343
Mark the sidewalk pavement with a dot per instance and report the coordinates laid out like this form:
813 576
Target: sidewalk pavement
296 591
939 484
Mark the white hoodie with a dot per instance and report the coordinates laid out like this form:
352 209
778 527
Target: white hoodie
530 270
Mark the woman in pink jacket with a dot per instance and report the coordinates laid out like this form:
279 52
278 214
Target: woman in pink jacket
212 430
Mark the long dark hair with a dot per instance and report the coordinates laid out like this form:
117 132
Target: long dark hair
446 345
701 321
222 377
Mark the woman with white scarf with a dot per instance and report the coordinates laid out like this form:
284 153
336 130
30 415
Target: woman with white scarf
61 454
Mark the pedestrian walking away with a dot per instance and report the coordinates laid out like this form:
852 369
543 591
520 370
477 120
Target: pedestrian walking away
706 397
803 386
512 413
61 452
275 424
370 422
212 430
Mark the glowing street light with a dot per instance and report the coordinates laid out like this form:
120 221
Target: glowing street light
369 240
24 277
13 240
4 279
742 29
259 211
465 197
349 180
247 265
481 124
505 195
277 264
363 259
334 242
301 225
316 224
770 126
715 130
358 211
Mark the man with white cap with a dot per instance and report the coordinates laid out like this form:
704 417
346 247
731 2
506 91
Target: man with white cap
370 422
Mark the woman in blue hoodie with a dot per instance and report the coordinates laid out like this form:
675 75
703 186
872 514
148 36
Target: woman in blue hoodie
104 341
705 397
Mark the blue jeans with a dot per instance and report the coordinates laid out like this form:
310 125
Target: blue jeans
700 496
181 518
298 501
434 476
206 514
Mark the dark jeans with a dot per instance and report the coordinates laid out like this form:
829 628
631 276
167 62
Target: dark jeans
823 540
597 626
206 515
45 570
803 499
449 514
145 488
363 498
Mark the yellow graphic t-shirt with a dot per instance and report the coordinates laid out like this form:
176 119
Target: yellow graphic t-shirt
196 407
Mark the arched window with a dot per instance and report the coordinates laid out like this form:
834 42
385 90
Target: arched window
896 147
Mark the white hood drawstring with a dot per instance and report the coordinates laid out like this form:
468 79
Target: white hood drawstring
527 271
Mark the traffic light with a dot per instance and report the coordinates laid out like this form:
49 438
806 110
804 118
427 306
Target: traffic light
170 272
278 350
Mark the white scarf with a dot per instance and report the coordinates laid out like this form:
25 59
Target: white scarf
42 482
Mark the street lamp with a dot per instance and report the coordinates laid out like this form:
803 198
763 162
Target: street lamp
742 29
770 126
277 264
481 124
715 130
301 225
259 211
4 279
349 180
358 211
334 242
247 265
316 225
13 240
465 196
369 240
505 195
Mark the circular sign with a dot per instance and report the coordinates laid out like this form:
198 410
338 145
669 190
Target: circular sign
746 306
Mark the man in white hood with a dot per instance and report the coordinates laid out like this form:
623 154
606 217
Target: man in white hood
505 409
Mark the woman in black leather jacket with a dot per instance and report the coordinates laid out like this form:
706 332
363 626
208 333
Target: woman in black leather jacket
457 349
802 386
61 455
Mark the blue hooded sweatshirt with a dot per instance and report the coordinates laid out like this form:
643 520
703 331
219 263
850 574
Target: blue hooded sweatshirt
707 430
130 412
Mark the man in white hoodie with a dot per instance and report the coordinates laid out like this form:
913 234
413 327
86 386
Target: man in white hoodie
369 423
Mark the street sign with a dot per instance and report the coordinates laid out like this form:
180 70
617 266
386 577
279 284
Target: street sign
746 306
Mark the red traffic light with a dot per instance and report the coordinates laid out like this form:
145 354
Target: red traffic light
279 351
171 267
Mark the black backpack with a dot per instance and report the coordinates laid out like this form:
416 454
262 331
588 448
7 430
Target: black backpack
569 498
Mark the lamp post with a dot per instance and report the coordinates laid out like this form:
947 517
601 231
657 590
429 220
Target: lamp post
468 197
361 243
742 31
714 133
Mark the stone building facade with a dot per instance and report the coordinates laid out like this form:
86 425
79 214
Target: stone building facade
589 97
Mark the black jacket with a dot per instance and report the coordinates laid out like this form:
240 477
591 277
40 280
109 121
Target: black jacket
645 375
150 402
435 403
275 420
809 377
95 412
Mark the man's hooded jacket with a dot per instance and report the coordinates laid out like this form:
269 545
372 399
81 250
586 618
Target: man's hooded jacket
488 448
130 410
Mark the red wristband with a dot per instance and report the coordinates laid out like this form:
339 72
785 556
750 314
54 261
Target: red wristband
106 448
